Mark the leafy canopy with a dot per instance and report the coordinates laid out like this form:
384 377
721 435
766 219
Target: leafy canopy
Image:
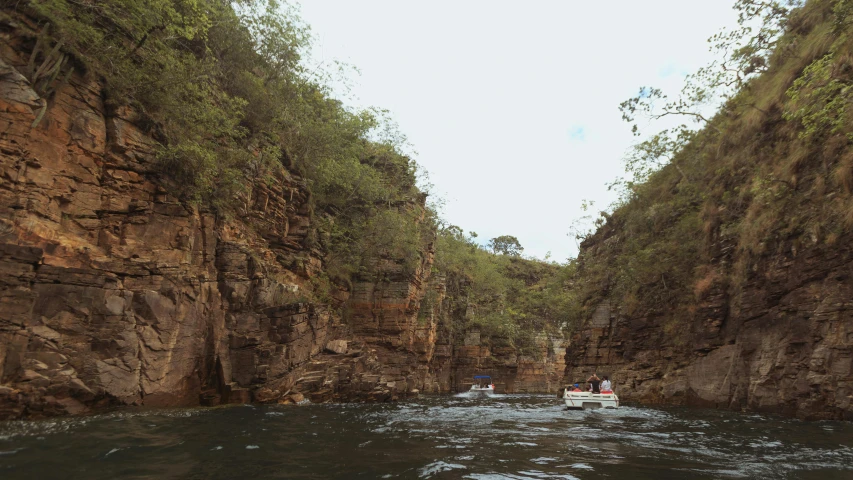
224 88
506 245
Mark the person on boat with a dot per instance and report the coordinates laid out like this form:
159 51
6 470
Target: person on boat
594 382
605 385
576 387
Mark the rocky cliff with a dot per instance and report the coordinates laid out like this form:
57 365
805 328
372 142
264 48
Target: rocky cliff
114 291
464 348
725 281
788 349
511 371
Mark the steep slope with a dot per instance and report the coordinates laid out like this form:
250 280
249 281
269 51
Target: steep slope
116 292
116 289
498 314
725 280
231 236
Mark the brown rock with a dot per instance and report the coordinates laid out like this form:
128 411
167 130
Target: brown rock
115 292
266 395
337 346
786 349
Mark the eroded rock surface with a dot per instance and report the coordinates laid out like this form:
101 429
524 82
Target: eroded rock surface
112 291
782 344
511 371
115 292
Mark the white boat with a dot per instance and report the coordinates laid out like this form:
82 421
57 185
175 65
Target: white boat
482 384
589 400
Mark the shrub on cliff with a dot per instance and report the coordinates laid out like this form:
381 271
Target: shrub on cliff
223 87
508 299
767 175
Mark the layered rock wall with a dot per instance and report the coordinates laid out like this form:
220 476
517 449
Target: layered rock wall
511 371
115 292
112 291
783 343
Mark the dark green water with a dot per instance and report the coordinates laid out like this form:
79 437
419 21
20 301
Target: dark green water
504 437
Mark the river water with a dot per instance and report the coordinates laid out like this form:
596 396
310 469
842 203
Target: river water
502 437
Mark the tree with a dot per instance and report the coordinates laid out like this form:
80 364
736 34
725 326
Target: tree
743 53
223 86
506 245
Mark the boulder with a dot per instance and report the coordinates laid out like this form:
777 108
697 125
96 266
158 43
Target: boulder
337 346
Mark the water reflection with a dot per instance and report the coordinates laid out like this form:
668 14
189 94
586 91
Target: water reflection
501 437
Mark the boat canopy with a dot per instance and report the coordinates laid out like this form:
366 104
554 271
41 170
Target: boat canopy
481 376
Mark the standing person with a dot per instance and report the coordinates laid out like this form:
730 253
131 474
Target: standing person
605 385
594 381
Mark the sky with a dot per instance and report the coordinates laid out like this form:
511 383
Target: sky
512 107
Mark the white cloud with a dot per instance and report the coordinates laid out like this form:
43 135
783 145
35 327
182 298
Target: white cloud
486 91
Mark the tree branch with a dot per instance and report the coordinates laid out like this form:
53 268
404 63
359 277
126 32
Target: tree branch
690 114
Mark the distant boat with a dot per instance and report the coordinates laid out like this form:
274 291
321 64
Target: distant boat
590 401
482 384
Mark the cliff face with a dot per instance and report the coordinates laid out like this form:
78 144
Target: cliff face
788 347
511 371
114 292
726 280
459 355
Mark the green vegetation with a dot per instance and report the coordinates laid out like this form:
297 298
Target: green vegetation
225 90
770 174
507 298
223 87
506 245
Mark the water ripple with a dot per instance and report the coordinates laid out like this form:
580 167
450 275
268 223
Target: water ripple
499 437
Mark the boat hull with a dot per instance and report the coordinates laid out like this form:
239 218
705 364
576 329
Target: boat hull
590 401
482 391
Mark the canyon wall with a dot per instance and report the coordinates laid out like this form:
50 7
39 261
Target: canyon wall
115 292
462 351
112 291
784 345
511 371
724 280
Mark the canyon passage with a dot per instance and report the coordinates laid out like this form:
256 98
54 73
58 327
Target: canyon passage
521 436
211 266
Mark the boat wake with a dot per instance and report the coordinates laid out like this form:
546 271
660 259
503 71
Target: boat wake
478 394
